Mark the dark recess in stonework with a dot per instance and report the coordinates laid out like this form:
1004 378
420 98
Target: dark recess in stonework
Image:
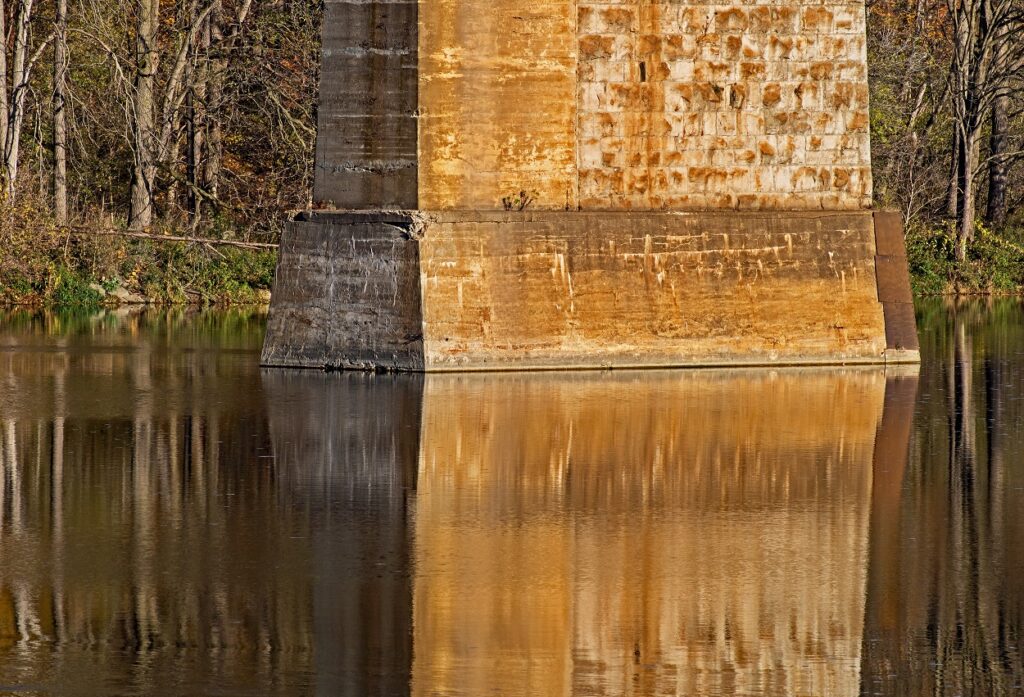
894 283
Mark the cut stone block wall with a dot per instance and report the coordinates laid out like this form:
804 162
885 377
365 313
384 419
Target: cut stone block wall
694 105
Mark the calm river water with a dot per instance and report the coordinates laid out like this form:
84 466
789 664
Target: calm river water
175 521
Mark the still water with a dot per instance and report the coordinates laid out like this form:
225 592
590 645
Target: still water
175 521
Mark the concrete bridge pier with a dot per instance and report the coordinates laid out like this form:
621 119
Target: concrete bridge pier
542 184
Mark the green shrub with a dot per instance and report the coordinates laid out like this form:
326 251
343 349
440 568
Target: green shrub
931 256
994 264
67 287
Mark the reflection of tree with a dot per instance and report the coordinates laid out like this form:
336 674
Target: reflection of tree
957 578
141 534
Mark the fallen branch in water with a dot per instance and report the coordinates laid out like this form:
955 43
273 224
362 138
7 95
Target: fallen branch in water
83 230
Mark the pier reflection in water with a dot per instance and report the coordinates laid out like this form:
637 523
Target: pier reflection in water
643 533
175 521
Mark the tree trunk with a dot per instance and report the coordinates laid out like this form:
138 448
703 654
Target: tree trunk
969 154
19 90
999 147
976 26
197 124
953 189
60 63
217 67
147 59
4 98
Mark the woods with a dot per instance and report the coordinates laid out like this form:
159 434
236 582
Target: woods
194 114
188 119
947 102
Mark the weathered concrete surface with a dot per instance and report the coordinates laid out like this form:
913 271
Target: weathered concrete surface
347 293
366 152
493 291
648 289
621 104
497 102
894 283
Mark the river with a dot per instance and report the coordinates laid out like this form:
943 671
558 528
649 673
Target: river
176 521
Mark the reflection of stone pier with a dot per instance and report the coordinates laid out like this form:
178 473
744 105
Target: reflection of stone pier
627 533
696 533
346 449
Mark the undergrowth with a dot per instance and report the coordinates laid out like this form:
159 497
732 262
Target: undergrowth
44 266
994 264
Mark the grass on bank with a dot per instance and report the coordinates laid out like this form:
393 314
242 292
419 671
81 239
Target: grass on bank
994 265
51 268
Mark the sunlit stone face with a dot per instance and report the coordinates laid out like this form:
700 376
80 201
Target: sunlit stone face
644 105
621 104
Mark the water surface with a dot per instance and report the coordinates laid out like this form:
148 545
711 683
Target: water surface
175 521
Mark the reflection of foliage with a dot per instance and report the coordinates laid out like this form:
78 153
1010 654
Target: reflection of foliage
218 328
518 202
947 614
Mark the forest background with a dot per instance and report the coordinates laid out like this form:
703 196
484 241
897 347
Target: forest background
126 120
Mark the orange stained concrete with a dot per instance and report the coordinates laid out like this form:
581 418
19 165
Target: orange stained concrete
497 102
572 290
643 104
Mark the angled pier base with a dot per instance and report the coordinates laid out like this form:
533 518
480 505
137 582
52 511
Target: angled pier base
465 291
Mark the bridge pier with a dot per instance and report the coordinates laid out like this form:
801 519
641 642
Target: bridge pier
476 290
513 184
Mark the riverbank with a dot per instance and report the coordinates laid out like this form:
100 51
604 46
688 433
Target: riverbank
54 268
994 264
61 268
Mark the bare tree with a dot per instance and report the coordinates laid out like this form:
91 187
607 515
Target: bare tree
980 70
147 60
1007 58
15 77
60 68
158 116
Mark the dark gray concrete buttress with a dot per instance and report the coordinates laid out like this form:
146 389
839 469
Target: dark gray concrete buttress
347 294
366 150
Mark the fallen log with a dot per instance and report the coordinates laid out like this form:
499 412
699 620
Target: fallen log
84 230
